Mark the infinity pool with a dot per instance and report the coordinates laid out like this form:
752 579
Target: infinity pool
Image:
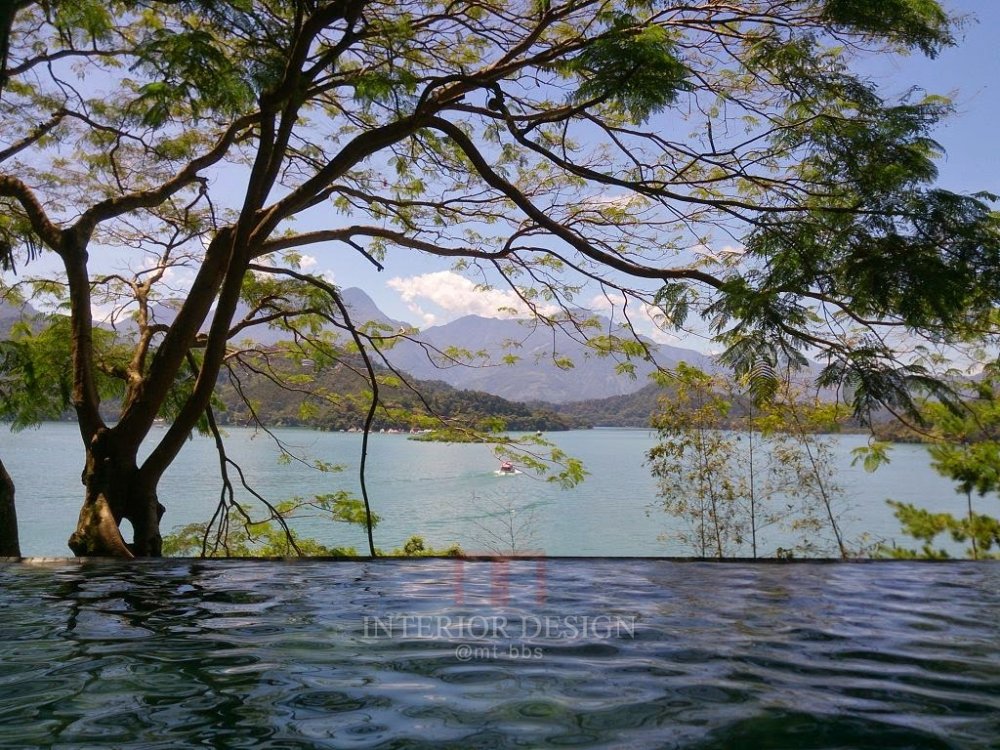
519 654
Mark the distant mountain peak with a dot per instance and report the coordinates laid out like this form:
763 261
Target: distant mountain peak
531 374
363 309
535 375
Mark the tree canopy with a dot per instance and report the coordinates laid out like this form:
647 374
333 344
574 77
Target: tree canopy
964 447
723 164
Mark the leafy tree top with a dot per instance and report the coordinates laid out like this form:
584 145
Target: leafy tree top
554 148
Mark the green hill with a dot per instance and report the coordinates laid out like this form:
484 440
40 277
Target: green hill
340 398
631 410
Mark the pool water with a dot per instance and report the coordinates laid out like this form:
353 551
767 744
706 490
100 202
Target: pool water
499 654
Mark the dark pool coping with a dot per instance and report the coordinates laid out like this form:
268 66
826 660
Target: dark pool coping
493 558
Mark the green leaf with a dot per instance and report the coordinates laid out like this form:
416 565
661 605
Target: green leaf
872 456
673 300
633 66
915 23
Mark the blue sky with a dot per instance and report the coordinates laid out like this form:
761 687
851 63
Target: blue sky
969 72
418 288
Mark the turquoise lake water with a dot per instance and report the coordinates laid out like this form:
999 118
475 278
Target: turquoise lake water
449 493
453 655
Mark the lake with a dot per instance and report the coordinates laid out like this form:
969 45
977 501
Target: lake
462 655
450 493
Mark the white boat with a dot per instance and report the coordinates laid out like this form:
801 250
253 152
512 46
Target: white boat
506 469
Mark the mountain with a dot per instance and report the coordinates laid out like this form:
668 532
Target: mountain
344 403
360 306
634 409
535 375
11 314
363 309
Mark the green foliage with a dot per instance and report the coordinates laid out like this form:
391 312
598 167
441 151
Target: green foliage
345 509
673 300
695 463
632 65
16 238
966 449
34 382
919 23
536 454
925 255
446 131
86 19
983 532
571 471
415 546
872 456
36 372
374 86
235 534
191 67
259 539
457 435
730 467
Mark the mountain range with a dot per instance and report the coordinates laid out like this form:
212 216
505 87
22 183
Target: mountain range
503 357
13 314
534 375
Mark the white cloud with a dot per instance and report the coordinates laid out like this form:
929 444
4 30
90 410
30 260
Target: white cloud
726 254
652 323
427 319
102 313
307 261
607 302
456 296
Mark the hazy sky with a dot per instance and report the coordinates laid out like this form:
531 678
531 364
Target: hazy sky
420 289
970 73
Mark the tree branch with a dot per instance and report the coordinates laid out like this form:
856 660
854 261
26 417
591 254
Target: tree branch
112 207
47 232
558 229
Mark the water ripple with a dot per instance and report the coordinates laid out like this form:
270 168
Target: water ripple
562 653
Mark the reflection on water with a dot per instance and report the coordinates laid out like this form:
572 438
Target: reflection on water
436 654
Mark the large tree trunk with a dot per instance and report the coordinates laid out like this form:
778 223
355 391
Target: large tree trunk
9 543
97 533
144 512
116 490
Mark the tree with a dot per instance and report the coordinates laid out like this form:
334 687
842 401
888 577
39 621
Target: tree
9 540
34 385
553 148
729 467
797 427
704 477
506 527
965 447
238 535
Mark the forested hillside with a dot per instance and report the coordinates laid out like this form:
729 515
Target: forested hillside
631 410
338 398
